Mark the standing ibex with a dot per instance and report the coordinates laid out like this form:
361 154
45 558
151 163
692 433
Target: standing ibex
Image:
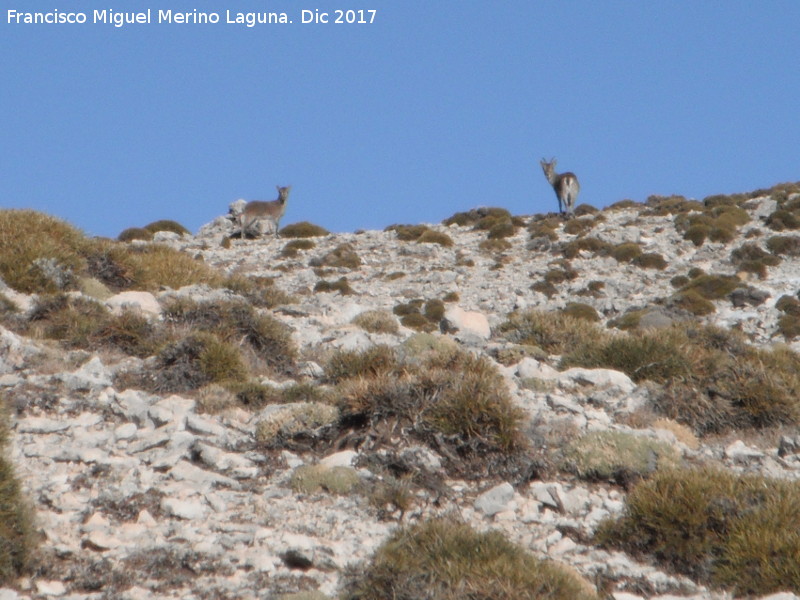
565 184
259 209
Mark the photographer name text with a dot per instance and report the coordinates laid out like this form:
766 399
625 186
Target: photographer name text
195 17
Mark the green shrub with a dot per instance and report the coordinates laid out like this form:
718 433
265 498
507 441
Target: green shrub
752 259
408 233
341 285
624 204
39 253
193 362
472 217
311 479
18 537
501 229
444 559
495 245
151 267
253 395
434 310
238 322
418 322
293 247
784 244
727 531
82 323
441 396
592 245
555 333
435 237
617 456
301 419
377 321
650 260
712 287
781 220
578 310
578 226
167 225
626 252
135 234
343 256
693 302
348 364
304 229
655 356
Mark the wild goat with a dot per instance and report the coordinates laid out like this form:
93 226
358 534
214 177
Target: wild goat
565 184
260 209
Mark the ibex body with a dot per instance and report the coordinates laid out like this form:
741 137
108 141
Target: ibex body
259 209
565 184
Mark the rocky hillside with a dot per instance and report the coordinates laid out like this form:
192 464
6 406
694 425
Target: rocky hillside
614 399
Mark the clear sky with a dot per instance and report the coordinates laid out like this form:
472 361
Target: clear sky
437 106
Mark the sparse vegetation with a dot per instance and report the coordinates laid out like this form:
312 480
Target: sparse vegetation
17 532
723 530
343 256
617 456
444 396
341 285
444 559
311 479
377 321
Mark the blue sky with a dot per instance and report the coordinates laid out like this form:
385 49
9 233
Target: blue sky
434 108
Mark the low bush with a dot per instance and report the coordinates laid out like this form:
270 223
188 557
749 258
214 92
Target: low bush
311 479
483 214
377 321
39 253
578 310
440 397
626 252
303 229
237 322
555 333
193 362
293 247
408 233
650 260
445 559
341 285
738 533
343 256
617 456
18 538
784 244
132 234
435 237
167 225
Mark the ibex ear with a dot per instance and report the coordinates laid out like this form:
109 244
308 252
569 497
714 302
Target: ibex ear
277 187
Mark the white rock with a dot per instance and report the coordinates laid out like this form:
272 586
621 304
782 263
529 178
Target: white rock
141 301
495 500
599 377
738 451
458 320
91 376
50 588
191 510
344 458
530 368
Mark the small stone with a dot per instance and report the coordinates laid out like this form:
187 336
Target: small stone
495 500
